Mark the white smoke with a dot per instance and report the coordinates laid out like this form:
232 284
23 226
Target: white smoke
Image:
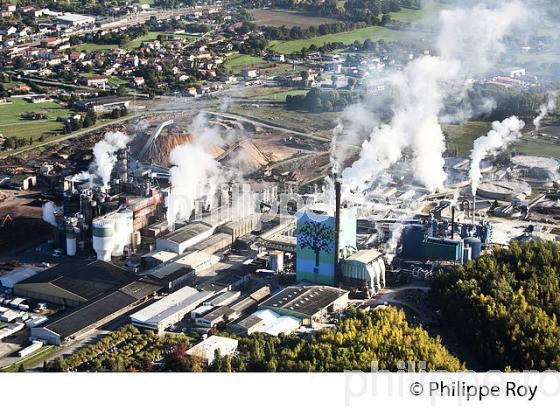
544 110
469 42
49 213
497 139
195 174
419 99
104 157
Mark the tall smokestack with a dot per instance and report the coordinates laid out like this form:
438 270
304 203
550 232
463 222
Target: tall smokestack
452 221
337 200
473 207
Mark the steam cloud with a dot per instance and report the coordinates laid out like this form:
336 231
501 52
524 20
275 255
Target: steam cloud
468 43
49 210
544 110
498 138
195 172
104 157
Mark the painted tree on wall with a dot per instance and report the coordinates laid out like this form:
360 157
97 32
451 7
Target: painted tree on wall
317 237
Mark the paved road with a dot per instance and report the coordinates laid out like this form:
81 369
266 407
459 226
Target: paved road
266 124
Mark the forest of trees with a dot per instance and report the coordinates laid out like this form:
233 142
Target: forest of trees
508 101
317 100
505 305
358 342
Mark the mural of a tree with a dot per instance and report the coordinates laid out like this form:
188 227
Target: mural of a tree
317 237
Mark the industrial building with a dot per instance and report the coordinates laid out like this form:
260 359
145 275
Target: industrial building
102 105
181 269
505 190
74 283
75 20
112 233
17 275
170 309
266 321
316 243
216 316
185 237
74 323
308 303
206 350
541 170
364 269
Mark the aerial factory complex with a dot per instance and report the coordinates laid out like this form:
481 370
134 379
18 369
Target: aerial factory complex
182 186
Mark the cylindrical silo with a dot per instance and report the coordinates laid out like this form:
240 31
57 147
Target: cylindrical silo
476 246
70 244
103 238
412 238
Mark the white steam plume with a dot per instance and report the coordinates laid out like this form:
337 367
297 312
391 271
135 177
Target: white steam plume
544 110
195 174
49 211
419 99
469 42
104 157
497 139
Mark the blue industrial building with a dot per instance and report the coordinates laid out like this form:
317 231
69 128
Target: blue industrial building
316 242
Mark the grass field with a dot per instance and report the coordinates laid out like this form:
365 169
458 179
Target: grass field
33 129
281 95
374 33
288 18
461 137
240 61
10 113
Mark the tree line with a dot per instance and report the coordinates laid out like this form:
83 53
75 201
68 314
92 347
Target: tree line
362 339
317 100
505 305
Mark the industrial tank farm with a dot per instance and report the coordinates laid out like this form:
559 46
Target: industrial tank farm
537 170
506 190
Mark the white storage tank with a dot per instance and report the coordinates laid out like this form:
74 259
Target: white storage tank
71 244
103 238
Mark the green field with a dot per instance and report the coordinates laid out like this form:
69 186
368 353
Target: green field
10 113
238 61
461 137
33 129
281 96
374 33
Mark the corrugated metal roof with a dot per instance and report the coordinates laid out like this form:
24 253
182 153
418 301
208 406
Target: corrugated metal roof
184 298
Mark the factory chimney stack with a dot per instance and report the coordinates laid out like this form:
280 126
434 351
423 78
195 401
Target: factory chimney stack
337 192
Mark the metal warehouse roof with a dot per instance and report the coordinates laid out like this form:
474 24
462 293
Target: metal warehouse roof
188 232
365 256
307 300
86 281
184 298
87 315
17 275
